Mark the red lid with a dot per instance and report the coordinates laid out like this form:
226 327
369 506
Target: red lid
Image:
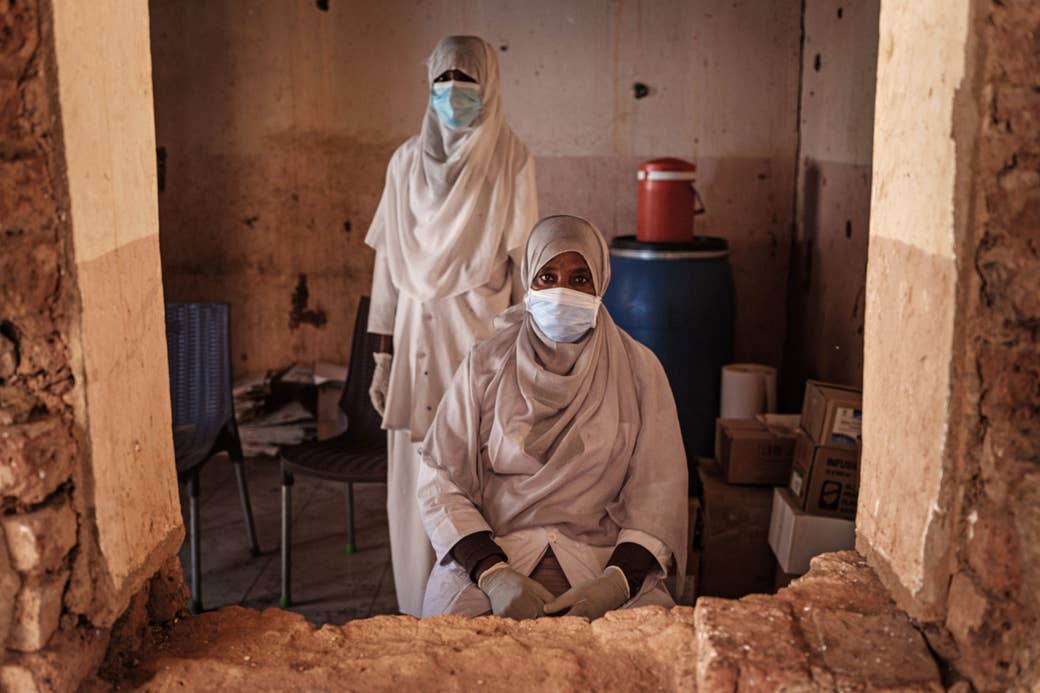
667 164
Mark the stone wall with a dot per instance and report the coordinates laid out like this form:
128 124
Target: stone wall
275 122
89 503
832 219
41 438
949 510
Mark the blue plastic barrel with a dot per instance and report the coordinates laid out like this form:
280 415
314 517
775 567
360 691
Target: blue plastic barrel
678 299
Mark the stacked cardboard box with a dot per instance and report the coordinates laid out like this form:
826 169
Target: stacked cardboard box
756 451
817 512
796 536
825 473
735 559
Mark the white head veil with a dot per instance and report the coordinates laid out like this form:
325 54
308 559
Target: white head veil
455 202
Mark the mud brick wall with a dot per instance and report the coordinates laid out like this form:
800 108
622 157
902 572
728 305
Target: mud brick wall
40 440
58 606
949 510
993 612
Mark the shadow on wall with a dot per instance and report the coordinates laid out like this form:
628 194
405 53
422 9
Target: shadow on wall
826 285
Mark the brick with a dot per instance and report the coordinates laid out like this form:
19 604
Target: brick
38 541
35 458
43 356
877 651
17 678
37 610
72 655
26 202
838 580
750 644
1020 107
1013 33
9 584
29 272
18 26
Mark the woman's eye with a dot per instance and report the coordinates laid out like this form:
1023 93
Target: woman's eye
546 278
581 280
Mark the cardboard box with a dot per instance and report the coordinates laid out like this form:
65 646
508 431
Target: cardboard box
832 414
825 480
735 558
795 536
750 453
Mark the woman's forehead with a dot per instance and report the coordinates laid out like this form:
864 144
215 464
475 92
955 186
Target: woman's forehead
567 258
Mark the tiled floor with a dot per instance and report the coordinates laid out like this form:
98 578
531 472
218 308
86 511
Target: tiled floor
329 585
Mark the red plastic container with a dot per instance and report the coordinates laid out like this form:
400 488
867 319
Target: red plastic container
667 201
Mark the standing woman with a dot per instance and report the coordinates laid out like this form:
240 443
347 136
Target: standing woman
458 204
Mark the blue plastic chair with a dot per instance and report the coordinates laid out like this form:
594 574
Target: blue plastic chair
198 345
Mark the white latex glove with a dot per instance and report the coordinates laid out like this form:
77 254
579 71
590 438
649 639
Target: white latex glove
513 595
380 382
594 598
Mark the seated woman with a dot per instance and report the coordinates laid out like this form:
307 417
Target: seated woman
554 477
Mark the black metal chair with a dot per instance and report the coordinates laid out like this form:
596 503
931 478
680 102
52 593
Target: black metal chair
197 342
356 456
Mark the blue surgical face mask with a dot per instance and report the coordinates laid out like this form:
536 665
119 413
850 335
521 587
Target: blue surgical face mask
563 315
457 104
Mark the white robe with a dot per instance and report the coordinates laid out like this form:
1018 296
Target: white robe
456 204
574 446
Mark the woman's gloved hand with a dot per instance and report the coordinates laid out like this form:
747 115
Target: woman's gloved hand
513 595
594 598
380 382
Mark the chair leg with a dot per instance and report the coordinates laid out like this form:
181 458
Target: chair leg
351 546
247 508
196 549
287 484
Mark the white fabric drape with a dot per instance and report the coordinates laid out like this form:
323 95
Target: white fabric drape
454 204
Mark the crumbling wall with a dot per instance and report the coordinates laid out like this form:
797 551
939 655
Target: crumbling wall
63 568
41 440
993 605
275 122
835 629
826 286
949 511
